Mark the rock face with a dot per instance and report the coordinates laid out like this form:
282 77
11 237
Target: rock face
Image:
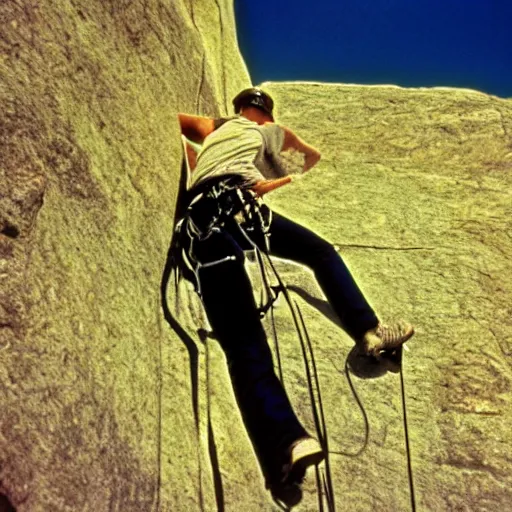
103 406
90 165
415 189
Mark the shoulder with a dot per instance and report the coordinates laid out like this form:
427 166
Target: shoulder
217 123
273 137
195 128
272 130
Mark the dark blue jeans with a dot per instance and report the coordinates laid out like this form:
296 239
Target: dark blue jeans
228 300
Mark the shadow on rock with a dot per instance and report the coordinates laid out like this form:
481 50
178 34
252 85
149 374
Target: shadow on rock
368 367
319 304
172 268
361 365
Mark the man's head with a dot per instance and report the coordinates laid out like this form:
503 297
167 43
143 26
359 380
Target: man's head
254 104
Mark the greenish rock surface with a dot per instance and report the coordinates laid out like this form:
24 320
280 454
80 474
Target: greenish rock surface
93 382
415 191
96 388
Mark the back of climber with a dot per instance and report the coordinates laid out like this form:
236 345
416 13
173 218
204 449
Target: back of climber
244 154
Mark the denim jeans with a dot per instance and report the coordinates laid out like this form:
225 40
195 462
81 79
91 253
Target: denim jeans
231 310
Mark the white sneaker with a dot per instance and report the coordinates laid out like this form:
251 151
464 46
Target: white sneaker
305 452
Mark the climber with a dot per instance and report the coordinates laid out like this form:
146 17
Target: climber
241 158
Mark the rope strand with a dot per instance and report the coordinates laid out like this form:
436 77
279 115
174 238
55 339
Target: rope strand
363 412
406 434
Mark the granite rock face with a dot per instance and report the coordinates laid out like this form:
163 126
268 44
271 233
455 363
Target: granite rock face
99 395
90 166
415 191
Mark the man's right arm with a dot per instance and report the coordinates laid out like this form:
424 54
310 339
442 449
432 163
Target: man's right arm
293 141
196 128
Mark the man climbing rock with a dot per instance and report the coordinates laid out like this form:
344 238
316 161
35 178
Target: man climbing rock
240 160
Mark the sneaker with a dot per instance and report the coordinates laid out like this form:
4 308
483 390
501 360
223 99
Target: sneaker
286 494
386 338
304 452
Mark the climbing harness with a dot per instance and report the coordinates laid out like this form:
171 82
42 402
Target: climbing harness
224 204
216 206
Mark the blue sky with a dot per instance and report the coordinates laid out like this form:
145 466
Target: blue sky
457 43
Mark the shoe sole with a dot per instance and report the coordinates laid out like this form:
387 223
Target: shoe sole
288 496
299 467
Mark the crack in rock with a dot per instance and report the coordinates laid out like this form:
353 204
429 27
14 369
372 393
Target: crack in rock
383 247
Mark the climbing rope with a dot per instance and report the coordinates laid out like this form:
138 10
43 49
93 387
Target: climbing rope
362 409
406 434
319 419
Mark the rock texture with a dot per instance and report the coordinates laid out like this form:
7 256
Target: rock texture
103 405
92 379
415 189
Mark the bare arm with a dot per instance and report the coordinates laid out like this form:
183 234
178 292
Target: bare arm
312 156
293 141
191 156
196 128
